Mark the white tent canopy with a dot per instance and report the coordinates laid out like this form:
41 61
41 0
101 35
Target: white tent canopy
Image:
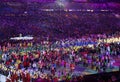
22 38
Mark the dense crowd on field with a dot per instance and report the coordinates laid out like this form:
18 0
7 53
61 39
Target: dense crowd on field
28 62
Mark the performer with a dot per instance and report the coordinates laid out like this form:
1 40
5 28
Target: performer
23 77
27 77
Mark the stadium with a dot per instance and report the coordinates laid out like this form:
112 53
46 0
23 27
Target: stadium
59 40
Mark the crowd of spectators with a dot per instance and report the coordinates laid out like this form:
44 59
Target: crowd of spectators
56 23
